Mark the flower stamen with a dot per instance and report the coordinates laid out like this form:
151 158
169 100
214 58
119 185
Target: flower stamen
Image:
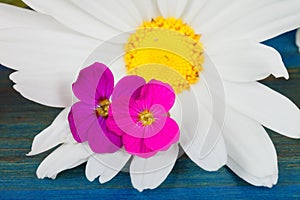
146 118
102 109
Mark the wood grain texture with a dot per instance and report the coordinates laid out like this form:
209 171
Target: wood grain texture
21 120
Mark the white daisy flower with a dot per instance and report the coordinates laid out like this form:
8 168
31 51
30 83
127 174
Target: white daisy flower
48 47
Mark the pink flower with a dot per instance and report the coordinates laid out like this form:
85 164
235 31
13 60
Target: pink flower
87 118
139 113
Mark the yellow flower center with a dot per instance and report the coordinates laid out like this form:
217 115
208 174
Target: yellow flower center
102 109
146 118
165 49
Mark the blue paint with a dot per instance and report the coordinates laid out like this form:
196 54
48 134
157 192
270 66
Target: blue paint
237 192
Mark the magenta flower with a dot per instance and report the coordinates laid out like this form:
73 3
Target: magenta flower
87 118
140 114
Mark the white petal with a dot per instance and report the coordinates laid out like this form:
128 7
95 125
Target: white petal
298 39
193 8
171 8
266 181
120 15
176 112
214 160
74 17
268 107
205 105
246 61
12 17
118 68
265 22
58 132
48 62
106 166
251 153
200 138
43 49
224 14
208 10
50 89
147 9
149 173
64 157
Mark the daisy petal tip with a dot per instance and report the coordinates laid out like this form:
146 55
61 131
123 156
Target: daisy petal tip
16 87
33 152
213 168
284 74
12 77
270 181
89 178
215 161
298 39
216 167
105 177
267 181
287 76
30 154
275 179
103 180
39 175
296 136
140 189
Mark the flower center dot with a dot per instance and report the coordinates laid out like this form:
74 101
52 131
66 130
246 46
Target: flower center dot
102 108
146 118
166 49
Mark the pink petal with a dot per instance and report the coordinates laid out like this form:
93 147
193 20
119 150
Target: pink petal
128 87
165 138
94 83
136 146
156 92
73 127
113 127
101 140
147 147
80 119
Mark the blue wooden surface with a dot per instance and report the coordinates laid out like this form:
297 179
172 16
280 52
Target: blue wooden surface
21 119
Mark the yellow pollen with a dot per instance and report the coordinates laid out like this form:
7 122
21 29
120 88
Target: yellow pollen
146 118
102 109
166 49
